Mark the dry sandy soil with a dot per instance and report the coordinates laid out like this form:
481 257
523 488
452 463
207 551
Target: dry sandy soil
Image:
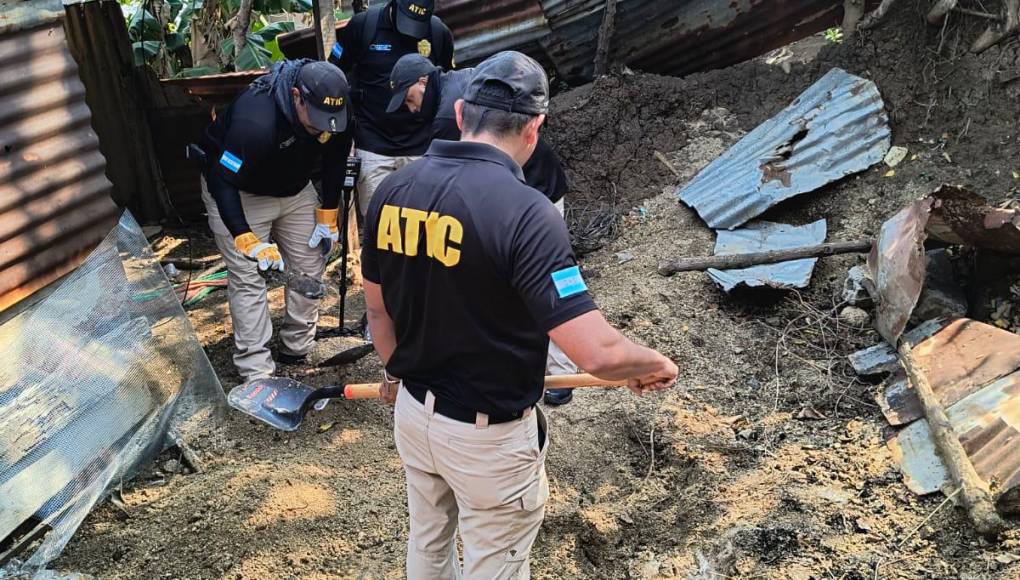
717 478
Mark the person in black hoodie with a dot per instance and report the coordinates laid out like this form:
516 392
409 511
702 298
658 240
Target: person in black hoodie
286 129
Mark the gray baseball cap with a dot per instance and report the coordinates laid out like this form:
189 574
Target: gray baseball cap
529 87
405 73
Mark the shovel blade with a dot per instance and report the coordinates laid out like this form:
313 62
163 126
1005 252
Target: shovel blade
276 401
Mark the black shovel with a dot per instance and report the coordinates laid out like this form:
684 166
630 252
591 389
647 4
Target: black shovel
282 403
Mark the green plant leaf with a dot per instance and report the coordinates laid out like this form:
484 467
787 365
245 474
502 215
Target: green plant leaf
175 41
182 22
144 26
196 71
270 32
254 55
273 46
145 50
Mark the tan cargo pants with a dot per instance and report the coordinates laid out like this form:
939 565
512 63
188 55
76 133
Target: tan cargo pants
488 480
374 169
289 221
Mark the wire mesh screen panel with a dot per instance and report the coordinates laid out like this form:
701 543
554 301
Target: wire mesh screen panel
97 378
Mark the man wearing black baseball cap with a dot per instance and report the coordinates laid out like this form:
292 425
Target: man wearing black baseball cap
468 274
262 153
425 89
366 50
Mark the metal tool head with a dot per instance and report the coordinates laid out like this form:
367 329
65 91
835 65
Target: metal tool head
278 402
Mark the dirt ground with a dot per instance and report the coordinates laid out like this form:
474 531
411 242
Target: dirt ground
768 460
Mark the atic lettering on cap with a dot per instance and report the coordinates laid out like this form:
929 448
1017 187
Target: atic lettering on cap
417 9
333 101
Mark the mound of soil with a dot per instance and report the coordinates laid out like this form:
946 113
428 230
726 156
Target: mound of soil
949 107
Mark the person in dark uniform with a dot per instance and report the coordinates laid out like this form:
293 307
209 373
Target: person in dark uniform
366 50
262 152
423 88
468 274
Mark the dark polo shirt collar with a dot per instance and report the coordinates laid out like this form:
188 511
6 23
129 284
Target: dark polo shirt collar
477 151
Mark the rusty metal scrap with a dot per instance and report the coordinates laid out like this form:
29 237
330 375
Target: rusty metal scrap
835 128
961 216
988 422
897 265
55 201
658 37
762 236
961 358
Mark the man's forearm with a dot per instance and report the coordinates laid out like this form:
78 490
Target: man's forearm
624 359
384 337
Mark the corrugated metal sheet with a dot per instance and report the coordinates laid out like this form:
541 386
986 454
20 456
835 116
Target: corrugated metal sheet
988 424
217 88
763 237
55 203
960 359
500 25
897 265
835 128
961 216
653 36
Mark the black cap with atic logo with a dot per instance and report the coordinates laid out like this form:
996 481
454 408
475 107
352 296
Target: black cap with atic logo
525 79
414 17
324 90
405 73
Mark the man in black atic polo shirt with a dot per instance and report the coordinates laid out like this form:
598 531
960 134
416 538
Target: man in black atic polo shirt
366 50
262 152
468 274
423 88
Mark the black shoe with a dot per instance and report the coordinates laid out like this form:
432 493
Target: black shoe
558 396
291 359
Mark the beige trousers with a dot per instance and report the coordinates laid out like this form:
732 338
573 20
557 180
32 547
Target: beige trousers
289 222
488 480
374 169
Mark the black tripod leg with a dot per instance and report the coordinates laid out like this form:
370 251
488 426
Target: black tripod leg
344 249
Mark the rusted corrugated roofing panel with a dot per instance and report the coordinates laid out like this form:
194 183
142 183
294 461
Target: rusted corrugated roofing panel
480 31
988 424
55 201
961 216
835 128
767 236
960 359
653 36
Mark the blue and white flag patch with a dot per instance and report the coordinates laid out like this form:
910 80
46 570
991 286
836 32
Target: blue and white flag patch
337 51
380 47
568 282
231 161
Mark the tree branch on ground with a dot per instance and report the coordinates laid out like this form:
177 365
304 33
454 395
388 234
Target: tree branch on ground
996 33
940 10
876 15
853 10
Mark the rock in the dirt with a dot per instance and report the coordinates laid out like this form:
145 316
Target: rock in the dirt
855 316
941 296
624 257
895 156
854 291
171 466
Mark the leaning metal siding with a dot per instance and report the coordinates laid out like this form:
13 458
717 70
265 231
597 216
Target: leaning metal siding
838 126
654 36
55 203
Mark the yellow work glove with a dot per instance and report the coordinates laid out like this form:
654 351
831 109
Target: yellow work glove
267 255
325 232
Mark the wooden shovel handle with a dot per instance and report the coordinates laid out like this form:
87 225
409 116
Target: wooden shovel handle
371 390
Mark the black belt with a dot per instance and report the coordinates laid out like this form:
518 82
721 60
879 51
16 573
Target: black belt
456 411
